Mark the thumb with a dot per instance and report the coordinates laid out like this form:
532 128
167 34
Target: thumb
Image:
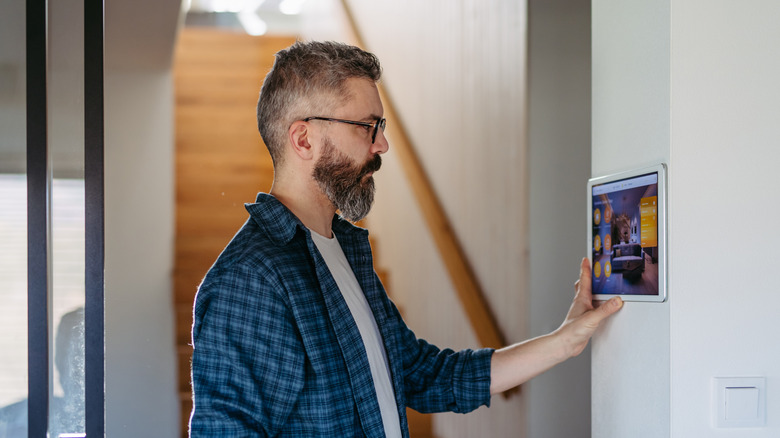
579 330
606 309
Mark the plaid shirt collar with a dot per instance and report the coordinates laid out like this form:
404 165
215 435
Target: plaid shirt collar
280 224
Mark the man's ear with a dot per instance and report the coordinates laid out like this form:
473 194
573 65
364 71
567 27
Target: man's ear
298 136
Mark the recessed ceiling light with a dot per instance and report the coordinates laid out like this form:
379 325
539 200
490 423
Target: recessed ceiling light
291 7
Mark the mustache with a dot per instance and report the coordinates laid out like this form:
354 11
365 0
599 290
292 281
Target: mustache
373 165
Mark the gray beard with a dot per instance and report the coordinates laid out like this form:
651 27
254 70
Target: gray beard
341 180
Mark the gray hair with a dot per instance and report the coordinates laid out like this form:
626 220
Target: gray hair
308 79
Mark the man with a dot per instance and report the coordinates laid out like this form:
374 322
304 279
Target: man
294 334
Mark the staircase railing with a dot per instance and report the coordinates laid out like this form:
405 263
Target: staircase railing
455 259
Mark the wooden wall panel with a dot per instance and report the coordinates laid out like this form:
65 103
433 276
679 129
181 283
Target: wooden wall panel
221 162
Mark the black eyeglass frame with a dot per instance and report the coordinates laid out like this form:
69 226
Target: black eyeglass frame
380 123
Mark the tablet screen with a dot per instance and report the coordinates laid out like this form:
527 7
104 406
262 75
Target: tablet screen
625 250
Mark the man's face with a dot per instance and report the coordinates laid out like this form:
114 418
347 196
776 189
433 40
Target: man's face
347 157
349 185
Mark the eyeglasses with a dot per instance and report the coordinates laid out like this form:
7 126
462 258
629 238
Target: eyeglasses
376 125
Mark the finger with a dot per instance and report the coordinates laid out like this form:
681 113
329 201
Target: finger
583 284
607 308
584 266
593 318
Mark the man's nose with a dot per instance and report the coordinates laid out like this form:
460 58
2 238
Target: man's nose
380 145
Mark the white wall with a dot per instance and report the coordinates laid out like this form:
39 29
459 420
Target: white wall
559 164
724 139
141 380
693 83
630 366
141 372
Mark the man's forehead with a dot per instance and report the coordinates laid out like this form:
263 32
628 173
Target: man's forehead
363 99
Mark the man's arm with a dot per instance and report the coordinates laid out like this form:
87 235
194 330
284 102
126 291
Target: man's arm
521 362
247 363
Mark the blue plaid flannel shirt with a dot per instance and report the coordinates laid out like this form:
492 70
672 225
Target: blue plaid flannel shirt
277 352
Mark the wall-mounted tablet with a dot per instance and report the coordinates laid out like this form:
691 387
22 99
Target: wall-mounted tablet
627 234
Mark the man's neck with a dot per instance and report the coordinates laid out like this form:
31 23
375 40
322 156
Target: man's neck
308 203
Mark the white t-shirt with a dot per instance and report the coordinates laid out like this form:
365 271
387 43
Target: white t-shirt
366 324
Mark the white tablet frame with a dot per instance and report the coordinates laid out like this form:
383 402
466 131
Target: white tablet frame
660 169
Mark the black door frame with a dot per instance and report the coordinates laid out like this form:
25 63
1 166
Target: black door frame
39 219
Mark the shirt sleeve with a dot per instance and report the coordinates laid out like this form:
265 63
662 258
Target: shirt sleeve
248 360
439 380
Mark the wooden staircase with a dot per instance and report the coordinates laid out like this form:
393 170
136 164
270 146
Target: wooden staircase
221 162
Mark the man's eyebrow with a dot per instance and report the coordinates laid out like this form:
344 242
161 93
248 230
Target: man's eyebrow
372 117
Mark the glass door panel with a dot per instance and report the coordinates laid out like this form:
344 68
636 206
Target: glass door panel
66 146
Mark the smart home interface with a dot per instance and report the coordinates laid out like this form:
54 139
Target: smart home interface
627 220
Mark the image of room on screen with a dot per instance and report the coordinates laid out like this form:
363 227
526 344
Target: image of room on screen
625 236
